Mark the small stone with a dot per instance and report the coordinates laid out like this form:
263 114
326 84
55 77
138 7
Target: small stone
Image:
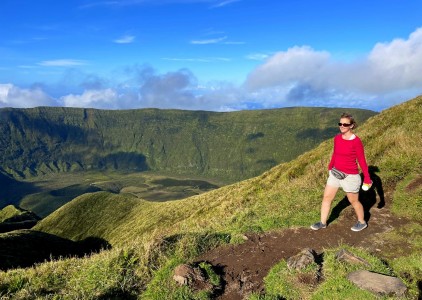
346 256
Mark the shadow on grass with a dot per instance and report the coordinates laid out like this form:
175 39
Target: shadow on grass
367 198
25 248
12 191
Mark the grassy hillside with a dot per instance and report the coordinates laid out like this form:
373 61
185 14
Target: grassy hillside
149 239
230 146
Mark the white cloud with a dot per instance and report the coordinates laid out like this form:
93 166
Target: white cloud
13 96
177 90
209 41
398 64
257 56
224 3
296 64
127 39
309 75
62 63
104 98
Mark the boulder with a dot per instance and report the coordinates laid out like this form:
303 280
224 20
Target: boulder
301 260
378 283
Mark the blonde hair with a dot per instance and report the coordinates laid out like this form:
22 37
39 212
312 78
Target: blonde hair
351 119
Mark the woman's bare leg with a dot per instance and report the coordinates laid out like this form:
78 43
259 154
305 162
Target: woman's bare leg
329 194
354 201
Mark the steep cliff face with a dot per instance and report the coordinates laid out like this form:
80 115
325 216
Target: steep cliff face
233 145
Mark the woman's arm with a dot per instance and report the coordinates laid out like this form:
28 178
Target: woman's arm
360 153
331 164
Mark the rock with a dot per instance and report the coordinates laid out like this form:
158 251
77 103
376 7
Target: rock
192 277
378 283
346 256
182 274
301 260
185 274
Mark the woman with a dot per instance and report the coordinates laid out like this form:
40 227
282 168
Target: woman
344 172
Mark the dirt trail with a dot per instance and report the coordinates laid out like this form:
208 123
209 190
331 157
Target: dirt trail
244 266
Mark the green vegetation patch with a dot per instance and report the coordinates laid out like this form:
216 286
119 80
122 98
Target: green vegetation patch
329 281
9 212
408 197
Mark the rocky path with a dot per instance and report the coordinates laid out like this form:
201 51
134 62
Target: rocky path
244 266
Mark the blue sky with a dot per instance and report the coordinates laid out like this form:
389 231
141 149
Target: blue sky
218 55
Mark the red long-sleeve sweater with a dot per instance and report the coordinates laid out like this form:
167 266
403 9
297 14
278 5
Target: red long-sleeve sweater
346 155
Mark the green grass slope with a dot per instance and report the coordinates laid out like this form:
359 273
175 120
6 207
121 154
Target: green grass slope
230 146
279 198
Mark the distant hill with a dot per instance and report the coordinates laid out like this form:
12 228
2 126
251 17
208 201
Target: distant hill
231 146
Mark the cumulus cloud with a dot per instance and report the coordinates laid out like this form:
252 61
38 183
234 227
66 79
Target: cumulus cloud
296 64
169 90
141 88
105 98
13 96
145 87
398 63
305 74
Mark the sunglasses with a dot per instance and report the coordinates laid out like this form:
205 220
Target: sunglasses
344 124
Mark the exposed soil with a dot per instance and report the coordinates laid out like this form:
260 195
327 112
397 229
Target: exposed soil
244 266
417 182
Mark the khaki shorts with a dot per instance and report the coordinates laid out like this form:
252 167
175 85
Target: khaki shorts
350 184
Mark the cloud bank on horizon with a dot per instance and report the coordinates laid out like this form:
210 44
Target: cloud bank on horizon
299 75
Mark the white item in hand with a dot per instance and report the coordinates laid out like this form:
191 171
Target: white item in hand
366 186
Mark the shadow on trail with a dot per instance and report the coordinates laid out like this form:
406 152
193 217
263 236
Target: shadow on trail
335 212
367 198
